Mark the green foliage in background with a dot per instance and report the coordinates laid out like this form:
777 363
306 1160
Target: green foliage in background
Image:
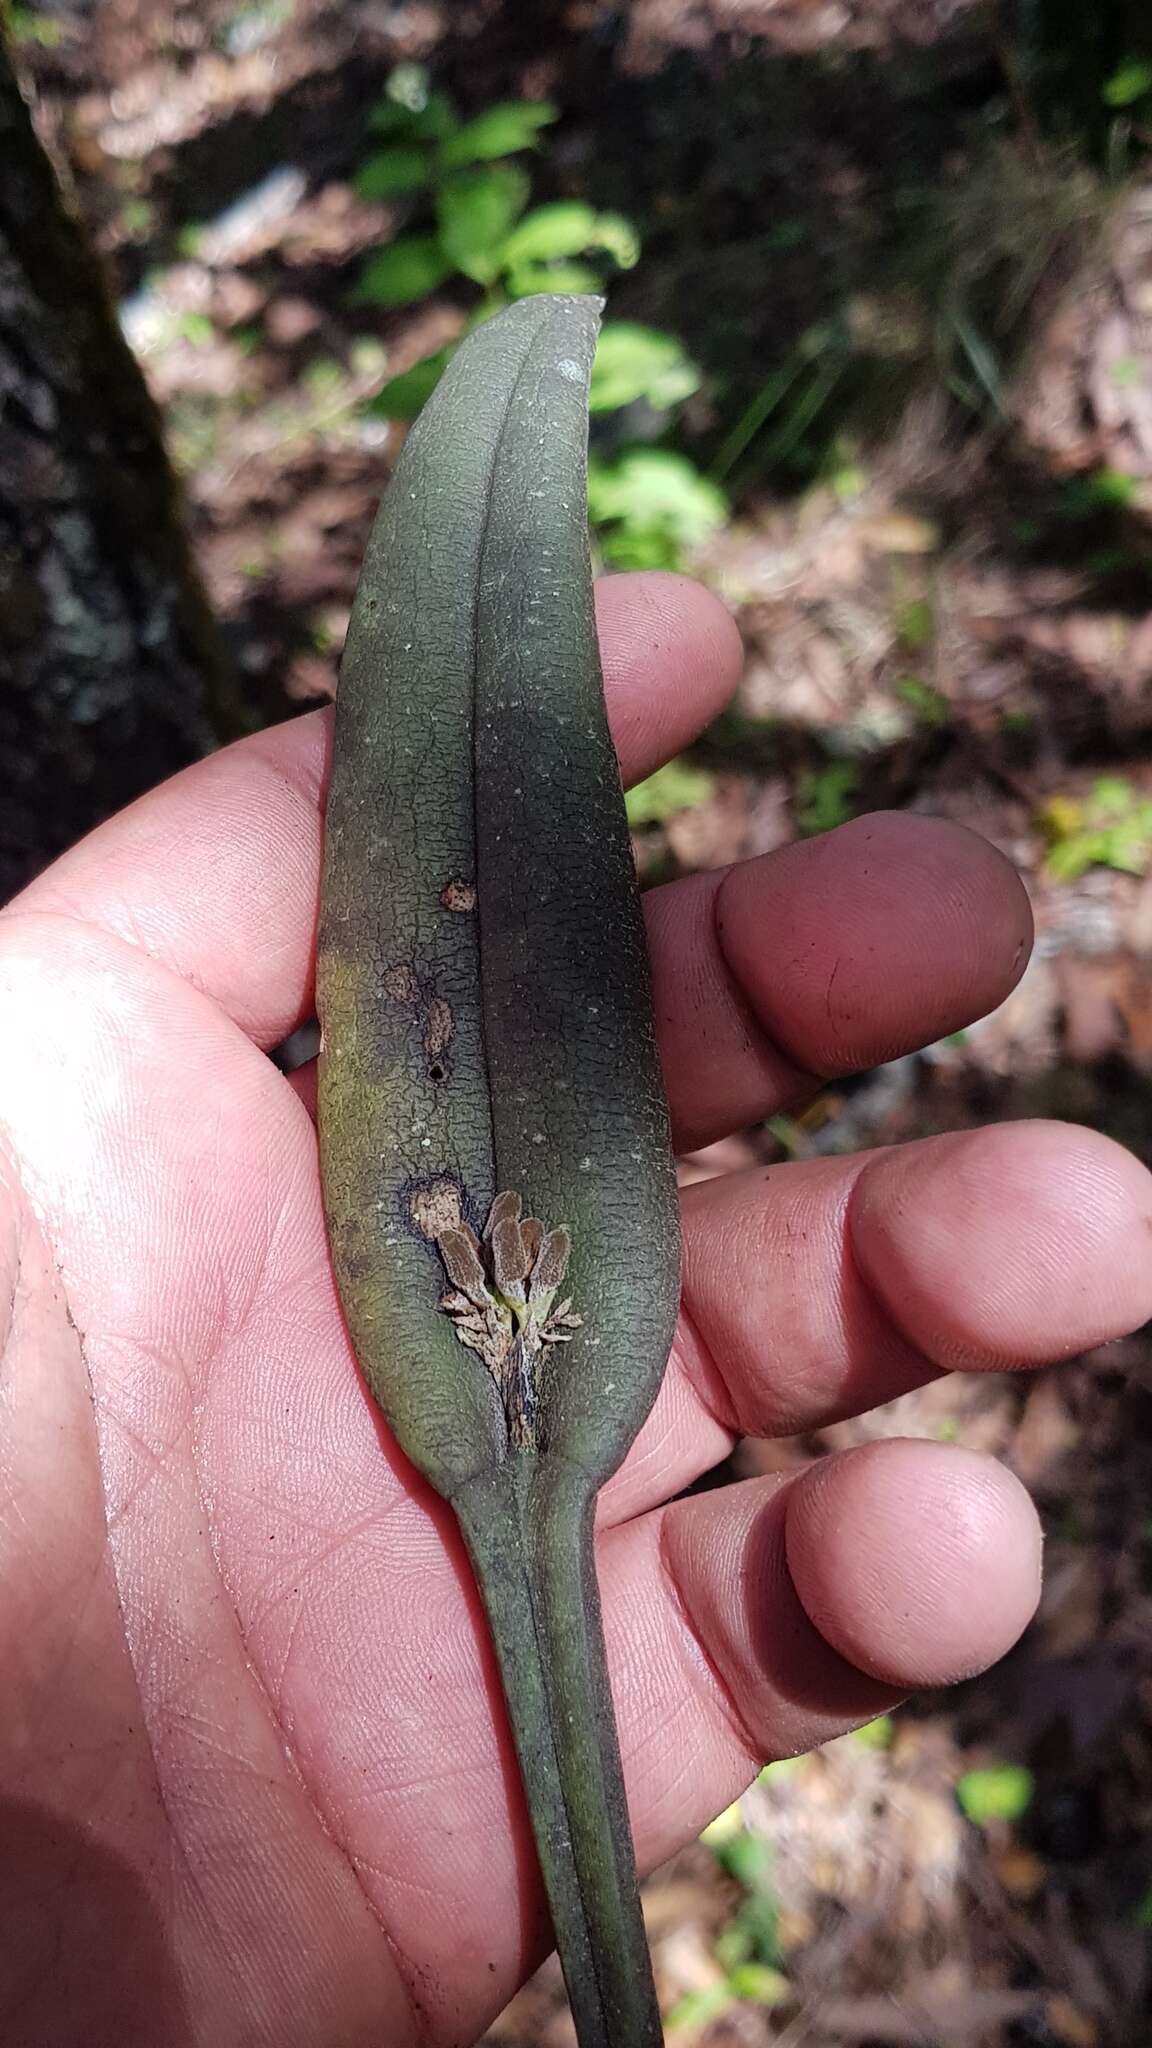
649 505
1130 83
469 192
876 1734
1111 828
825 797
926 703
634 363
747 1950
1088 69
999 1792
675 787
26 26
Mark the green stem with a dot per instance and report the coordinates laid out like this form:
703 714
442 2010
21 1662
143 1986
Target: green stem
531 1550
561 1565
791 431
770 395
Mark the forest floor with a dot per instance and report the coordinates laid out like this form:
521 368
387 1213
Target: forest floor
940 557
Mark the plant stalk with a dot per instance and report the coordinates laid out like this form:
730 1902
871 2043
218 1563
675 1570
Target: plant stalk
530 1543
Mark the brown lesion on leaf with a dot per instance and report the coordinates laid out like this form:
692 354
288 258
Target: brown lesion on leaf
502 1301
439 1025
435 1207
458 894
400 983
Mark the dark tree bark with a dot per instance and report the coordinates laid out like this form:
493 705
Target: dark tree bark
111 673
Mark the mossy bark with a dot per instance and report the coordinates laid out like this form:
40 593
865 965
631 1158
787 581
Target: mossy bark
111 670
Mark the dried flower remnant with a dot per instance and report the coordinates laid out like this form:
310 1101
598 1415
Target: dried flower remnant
500 1302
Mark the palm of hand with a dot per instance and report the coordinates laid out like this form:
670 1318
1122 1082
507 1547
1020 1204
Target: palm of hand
255 1777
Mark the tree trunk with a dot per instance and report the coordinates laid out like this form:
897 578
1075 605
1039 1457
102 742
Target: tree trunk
111 673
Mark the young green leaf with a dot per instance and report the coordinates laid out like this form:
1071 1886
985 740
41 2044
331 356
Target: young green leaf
635 362
494 1140
476 211
653 501
499 131
565 228
405 270
618 239
393 171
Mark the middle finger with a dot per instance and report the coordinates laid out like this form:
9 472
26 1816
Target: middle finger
824 958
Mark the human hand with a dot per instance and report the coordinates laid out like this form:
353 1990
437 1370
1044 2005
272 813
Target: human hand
255 1781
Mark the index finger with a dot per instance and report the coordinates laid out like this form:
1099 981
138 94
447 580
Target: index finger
217 872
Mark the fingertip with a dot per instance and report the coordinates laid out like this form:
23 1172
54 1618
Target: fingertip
637 602
671 655
1007 1246
889 932
918 1563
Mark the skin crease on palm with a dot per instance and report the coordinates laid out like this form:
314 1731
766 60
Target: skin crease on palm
255 1780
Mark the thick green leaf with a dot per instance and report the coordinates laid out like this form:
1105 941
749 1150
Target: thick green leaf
392 171
476 210
489 1058
403 271
402 397
500 131
635 362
